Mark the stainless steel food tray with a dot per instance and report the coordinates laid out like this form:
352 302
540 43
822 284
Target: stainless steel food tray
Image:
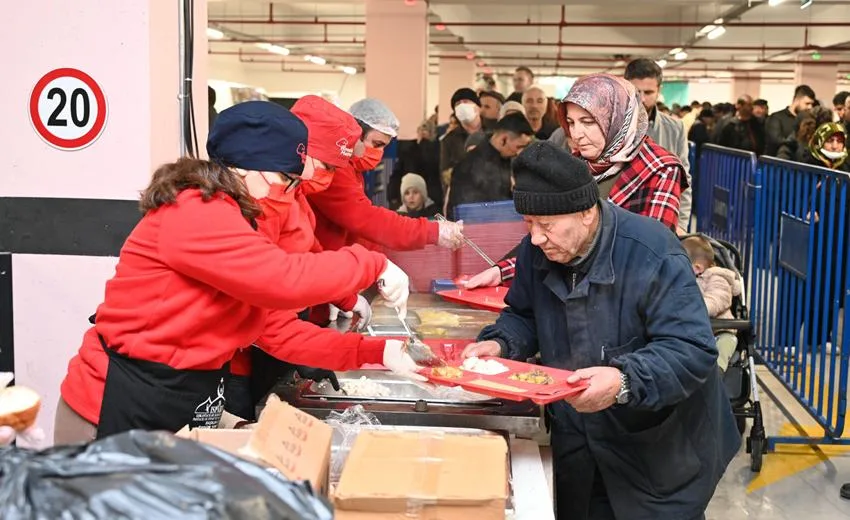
401 390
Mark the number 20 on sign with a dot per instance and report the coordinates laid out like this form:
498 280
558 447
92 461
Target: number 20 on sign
68 109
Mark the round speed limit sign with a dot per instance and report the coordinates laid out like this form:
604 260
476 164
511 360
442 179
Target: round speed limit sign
68 109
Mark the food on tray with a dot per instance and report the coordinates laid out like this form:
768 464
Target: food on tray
365 387
536 376
496 386
19 407
422 353
433 332
434 318
489 367
449 372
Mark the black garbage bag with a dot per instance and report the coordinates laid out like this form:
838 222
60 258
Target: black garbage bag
147 475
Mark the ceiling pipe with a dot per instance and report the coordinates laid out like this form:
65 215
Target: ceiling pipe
271 20
540 43
246 58
492 60
528 23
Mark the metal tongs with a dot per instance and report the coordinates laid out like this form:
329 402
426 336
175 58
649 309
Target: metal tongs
418 351
470 243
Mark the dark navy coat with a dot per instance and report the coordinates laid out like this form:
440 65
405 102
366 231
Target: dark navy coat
638 308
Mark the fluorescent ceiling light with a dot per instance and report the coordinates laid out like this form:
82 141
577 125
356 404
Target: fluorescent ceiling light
677 50
804 5
274 49
348 70
214 34
681 55
705 30
317 60
716 33
661 63
774 3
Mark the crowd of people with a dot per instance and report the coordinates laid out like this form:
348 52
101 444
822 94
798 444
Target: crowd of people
468 159
239 263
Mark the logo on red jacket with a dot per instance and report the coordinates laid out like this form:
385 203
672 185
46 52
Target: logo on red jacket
344 149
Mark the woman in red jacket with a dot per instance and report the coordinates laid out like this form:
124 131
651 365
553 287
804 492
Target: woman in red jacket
330 136
194 283
345 215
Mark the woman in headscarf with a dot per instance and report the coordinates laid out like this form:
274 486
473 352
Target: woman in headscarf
827 147
796 147
605 120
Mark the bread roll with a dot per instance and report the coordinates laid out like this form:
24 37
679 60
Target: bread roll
19 407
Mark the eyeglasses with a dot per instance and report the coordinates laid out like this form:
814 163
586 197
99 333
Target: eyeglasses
294 182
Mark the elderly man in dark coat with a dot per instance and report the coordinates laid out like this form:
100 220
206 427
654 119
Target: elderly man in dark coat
612 296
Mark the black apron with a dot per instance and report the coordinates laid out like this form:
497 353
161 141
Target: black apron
146 395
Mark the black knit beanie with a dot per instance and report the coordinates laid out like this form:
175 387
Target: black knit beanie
464 94
550 181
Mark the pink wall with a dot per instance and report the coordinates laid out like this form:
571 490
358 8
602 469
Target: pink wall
454 74
822 78
130 48
397 59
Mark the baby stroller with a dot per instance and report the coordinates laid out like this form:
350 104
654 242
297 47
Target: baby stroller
740 377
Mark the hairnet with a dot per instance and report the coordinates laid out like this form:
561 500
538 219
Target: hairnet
377 115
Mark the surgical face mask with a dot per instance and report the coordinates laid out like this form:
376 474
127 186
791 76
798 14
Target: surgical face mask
278 201
321 180
466 112
370 159
833 155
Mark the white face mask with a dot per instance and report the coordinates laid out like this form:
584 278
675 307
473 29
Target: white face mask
833 155
466 112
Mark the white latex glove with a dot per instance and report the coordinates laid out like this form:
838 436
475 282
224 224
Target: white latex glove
400 362
394 286
451 234
362 309
334 312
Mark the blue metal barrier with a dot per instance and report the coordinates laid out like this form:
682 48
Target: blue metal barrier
799 288
723 197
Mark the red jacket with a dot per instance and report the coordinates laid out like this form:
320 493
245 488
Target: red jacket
344 216
192 286
293 233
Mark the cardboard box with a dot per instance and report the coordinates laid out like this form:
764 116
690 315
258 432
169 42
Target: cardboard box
285 438
294 442
427 476
231 441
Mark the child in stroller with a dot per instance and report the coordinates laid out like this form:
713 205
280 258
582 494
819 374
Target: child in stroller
718 286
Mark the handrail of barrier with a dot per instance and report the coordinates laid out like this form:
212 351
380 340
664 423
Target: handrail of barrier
724 197
799 289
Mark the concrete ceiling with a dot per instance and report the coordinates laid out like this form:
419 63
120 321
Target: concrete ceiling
595 35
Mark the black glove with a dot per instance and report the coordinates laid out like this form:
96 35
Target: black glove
318 375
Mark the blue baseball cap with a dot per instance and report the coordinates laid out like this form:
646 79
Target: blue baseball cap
259 135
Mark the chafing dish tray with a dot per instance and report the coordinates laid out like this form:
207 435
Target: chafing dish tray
414 404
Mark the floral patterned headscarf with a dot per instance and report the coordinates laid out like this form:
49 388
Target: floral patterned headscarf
616 106
823 134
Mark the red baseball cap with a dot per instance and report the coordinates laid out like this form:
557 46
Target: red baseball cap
331 131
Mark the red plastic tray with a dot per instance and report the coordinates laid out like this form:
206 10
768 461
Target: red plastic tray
484 298
540 394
